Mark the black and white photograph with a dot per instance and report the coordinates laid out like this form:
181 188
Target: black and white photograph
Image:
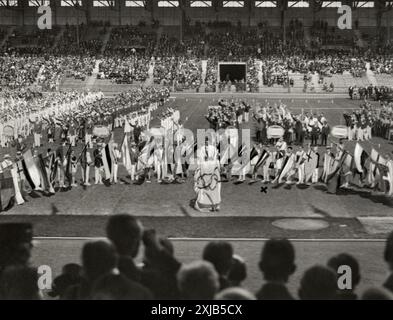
196 150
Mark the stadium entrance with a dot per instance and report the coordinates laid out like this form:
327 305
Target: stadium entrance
232 71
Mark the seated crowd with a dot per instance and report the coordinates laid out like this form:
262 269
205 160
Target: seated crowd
116 269
72 51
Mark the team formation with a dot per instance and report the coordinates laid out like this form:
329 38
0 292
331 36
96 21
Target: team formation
135 134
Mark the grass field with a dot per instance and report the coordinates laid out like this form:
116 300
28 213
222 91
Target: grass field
245 211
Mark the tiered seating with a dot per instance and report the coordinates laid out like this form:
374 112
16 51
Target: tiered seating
384 79
127 38
32 39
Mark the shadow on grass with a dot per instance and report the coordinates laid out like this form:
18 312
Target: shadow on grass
365 194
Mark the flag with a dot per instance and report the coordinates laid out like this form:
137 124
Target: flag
371 174
18 196
67 172
7 191
125 152
53 166
360 157
224 157
107 161
336 166
83 158
381 177
253 153
288 165
241 163
261 160
45 181
310 164
31 170
348 164
389 177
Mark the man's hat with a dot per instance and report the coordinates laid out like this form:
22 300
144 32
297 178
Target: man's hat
15 233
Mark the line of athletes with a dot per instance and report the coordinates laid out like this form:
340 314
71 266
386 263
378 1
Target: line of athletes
174 163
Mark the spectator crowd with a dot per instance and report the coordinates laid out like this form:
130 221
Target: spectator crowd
111 269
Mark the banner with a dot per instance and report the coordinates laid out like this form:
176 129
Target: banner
7 191
101 131
32 170
275 132
125 152
18 195
360 156
340 132
107 161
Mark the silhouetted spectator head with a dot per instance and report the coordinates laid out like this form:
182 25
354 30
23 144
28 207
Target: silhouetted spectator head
219 253
98 258
19 283
71 275
345 259
198 280
318 283
15 243
377 293
388 254
125 231
235 293
115 287
238 271
277 260
274 291
152 254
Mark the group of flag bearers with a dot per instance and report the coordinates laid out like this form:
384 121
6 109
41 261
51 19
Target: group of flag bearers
146 156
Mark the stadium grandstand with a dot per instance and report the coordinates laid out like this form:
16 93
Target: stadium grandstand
290 46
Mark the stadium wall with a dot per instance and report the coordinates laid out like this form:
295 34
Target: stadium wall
171 16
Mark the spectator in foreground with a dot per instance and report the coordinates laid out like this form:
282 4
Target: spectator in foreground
19 283
238 271
198 280
318 283
219 254
15 244
117 287
98 258
377 293
388 255
277 264
235 293
345 259
125 232
160 267
71 275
